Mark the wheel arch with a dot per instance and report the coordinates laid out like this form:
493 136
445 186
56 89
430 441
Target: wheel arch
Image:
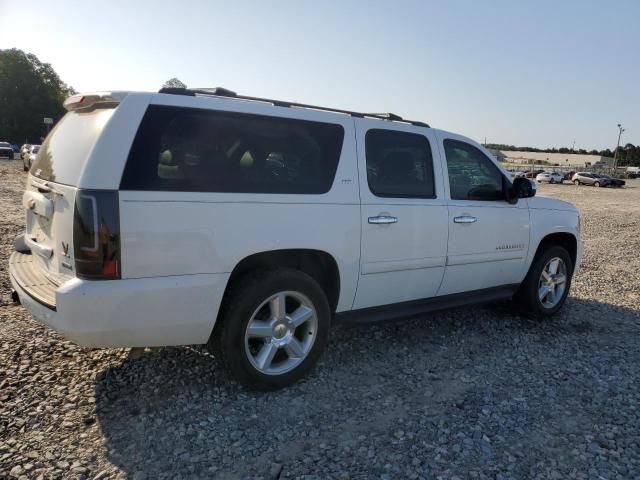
564 239
318 264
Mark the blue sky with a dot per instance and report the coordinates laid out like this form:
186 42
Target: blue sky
536 73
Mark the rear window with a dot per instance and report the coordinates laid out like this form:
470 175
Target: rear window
193 150
63 154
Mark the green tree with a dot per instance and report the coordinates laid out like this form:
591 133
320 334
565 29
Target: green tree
174 83
631 155
606 153
29 91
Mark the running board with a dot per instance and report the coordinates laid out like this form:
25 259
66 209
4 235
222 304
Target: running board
415 308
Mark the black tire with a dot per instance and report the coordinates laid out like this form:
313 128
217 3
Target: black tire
241 301
576 182
552 181
596 184
527 295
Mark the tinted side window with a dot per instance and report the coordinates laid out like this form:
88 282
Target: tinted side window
399 164
472 176
193 150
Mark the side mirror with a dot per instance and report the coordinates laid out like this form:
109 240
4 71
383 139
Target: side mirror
523 188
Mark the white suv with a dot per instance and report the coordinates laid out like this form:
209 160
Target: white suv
202 216
549 177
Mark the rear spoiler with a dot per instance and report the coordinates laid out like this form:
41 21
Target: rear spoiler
85 102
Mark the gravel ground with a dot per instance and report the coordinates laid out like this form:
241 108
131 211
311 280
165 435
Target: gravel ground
469 393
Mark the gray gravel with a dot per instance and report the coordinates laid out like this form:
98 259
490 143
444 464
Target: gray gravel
471 393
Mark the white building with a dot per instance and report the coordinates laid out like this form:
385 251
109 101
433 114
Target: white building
559 159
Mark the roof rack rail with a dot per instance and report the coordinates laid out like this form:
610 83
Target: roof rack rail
223 92
392 117
386 116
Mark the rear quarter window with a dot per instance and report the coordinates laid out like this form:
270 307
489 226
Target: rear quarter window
63 154
194 150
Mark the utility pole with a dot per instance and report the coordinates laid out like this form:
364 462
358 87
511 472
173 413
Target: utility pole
615 154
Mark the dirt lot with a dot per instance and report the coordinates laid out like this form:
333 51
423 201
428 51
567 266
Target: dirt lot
470 393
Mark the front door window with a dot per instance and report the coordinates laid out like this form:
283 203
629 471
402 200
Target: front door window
472 176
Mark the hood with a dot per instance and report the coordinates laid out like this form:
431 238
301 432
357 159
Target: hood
549 203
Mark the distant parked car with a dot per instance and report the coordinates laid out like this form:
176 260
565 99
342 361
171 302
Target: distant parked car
24 149
568 175
6 151
532 173
614 182
550 177
589 178
16 148
30 157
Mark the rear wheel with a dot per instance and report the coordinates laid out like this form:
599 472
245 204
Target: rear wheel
552 181
576 182
546 286
274 327
596 184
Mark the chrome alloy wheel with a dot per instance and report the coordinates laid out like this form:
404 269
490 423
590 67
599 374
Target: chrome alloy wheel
552 283
281 333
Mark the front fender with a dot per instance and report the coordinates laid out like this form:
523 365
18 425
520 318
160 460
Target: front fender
547 222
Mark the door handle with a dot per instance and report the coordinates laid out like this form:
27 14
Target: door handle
465 219
383 219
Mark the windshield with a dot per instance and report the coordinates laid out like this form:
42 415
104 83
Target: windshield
63 154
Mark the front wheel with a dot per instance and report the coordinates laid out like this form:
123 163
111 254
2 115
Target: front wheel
546 286
596 184
274 327
576 182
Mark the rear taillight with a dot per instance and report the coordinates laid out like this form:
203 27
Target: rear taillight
96 235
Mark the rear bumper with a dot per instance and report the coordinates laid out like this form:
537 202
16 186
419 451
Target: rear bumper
25 273
143 312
